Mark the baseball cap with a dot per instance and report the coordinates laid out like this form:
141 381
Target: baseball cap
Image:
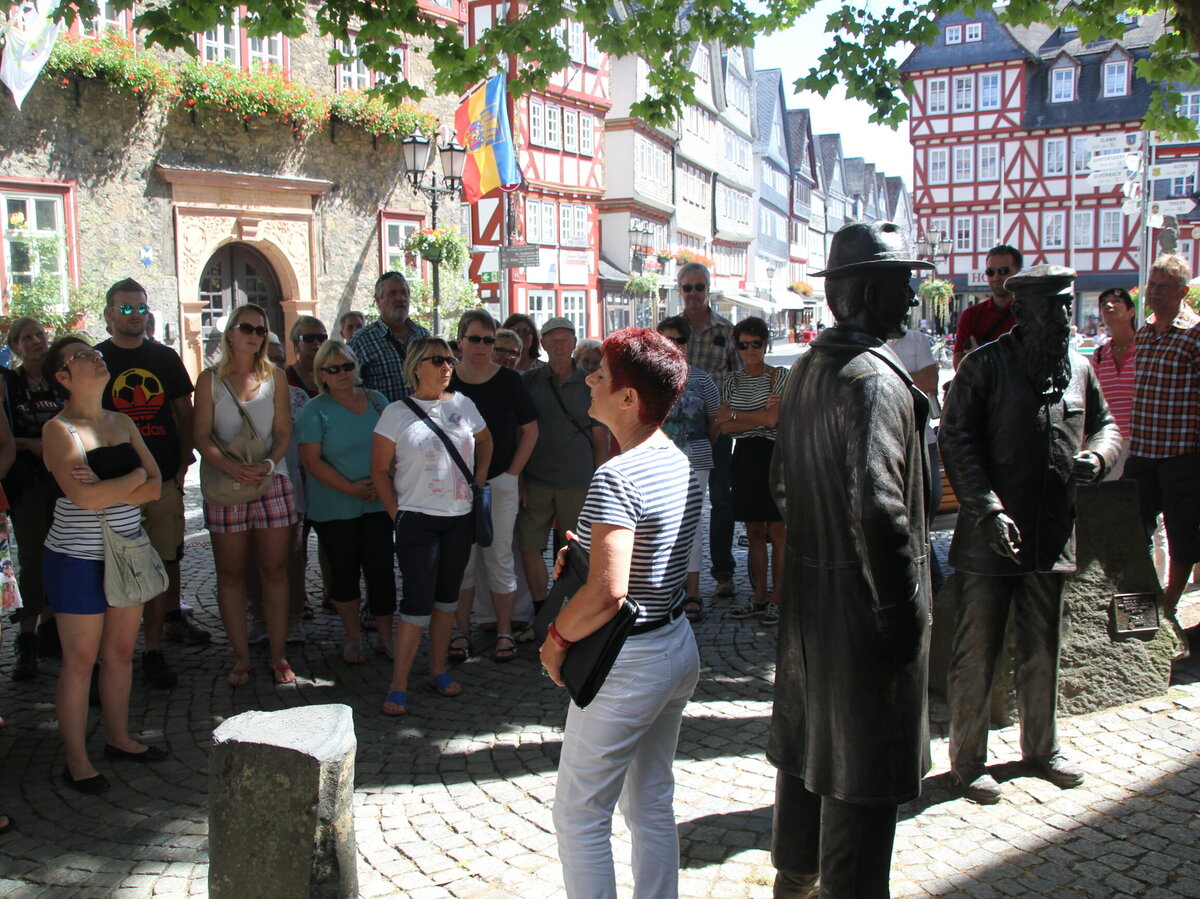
555 323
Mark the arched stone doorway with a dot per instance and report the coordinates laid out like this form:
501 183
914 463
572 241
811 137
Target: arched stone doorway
234 275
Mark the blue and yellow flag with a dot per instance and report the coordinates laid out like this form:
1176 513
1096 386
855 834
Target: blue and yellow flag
482 126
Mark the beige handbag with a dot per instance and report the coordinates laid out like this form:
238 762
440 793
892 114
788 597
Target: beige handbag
222 489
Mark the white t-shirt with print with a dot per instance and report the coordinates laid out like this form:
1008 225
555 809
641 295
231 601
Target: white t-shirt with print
427 478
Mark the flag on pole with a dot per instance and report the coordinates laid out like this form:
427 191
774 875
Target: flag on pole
482 126
29 36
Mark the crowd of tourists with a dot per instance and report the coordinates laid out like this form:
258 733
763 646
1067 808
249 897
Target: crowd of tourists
383 439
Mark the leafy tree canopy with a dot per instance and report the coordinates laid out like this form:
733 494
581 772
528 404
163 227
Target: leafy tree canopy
665 32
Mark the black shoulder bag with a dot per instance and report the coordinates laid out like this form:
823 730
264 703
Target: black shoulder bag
481 496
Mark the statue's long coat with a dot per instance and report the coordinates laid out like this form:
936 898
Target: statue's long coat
851 468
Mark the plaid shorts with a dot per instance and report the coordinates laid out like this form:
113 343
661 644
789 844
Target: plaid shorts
274 509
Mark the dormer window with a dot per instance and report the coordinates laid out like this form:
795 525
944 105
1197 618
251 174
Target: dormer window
974 32
953 34
1126 19
1069 28
1062 84
1116 78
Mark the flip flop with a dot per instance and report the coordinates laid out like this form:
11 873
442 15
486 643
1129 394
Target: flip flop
503 654
399 699
238 677
284 674
446 685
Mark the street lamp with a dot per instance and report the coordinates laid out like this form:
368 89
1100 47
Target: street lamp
935 245
637 252
418 153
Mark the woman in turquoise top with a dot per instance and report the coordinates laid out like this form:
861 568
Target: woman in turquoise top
334 432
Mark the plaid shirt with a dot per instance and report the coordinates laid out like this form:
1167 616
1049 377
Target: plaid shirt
1166 390
381 358
712 349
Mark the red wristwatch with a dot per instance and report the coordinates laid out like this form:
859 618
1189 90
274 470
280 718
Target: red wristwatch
558 638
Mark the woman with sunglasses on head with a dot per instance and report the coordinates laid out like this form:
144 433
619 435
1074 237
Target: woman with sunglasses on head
530 346
425 493
104 469
334 435
508 409
692 425
306 334
508 348
243 376
30 401
749 412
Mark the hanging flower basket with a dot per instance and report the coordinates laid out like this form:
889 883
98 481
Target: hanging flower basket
444 246
641 284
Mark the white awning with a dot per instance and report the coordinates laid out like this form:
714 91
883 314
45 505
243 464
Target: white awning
741 298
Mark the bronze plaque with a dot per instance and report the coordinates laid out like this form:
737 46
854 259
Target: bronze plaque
1135 613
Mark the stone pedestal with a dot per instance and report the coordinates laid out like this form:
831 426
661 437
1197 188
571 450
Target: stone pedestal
281 787
1098 668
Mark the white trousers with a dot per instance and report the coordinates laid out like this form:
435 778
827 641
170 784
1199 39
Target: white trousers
498 558
622 746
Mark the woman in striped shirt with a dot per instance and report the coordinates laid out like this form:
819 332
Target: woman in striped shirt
749 412
637 524
103 468
1114 364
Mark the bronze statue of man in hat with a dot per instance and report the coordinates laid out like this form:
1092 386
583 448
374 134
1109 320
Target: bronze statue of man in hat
850 472
1024 422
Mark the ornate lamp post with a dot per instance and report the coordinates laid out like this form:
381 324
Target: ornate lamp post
418 153
935 245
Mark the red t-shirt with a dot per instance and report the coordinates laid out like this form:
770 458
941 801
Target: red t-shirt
984 322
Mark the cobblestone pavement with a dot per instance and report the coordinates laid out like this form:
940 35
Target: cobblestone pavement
454 800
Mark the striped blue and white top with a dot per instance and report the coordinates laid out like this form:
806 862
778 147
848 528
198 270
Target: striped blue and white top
651 491
749 393
76 532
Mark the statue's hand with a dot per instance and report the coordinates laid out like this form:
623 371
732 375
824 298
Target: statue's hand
1005 537
1087 467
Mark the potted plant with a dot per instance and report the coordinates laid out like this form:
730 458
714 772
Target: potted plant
439 245
641 284
935 293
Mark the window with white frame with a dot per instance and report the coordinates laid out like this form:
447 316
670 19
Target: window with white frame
396 232
693 185
1082 221
989 162
1185 249
1054 151
730 261
400 55
941 226
953 34
593 57
973 32
962 234
935 96
1183 187
1081 152
35 241
733 204
964 93
266 51
574 308
587 134
736 148
989 90
1062 84
541 306
939 165
575 41
1116 78
653 160
541 222
1053 230
1111 230
537 123
553 126
107 19
702 63
353 75
739 96
571 130
573 225
1189 107
771 223
222 43
986 228
964 164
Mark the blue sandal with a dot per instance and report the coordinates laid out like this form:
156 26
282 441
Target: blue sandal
446 685
399 698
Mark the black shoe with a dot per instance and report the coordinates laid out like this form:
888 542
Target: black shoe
49 646
155 671
1060 772
96 784
26 667
149 754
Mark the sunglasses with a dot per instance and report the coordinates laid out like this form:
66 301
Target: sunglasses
750 345
688 288
992 272
476 338
501 351
247 328
334 369
439 361
88 353
313 338
130 308
682 341
522 330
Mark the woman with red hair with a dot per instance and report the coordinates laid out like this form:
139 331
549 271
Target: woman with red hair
637 524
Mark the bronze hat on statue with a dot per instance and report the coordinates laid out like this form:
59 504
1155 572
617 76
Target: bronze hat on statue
861 245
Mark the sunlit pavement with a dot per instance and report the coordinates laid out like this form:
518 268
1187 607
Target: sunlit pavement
454 800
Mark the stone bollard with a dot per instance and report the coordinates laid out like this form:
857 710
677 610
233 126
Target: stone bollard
280 804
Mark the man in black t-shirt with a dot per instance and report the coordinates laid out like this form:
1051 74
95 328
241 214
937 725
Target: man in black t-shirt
149 384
